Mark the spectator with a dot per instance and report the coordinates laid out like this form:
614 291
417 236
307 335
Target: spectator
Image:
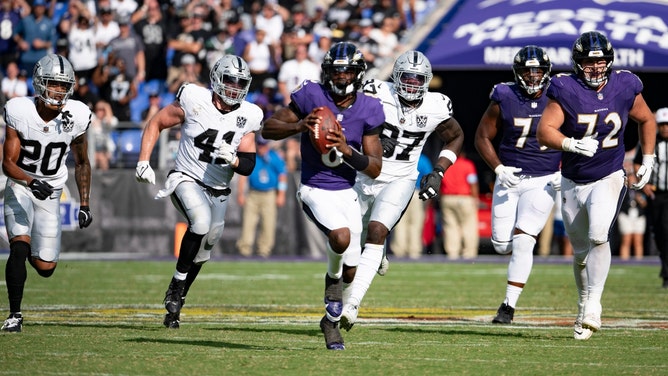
631 221
319 47
294 72
82 51
259 55
154 105
115 86
459 209
260 202
188 40
187 72
268 100
272 22
35 36
129 47
368 45
102 123
298 30
339 18
388 42
84 94
124 8
406 238
106 29
10 15
13 85
152 29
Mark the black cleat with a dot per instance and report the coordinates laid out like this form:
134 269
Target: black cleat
173 301
333 339
172 320
504 315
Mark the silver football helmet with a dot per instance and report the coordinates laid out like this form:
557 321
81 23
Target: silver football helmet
411 75
53 79
230 79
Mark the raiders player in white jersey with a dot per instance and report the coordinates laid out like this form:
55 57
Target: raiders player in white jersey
412 113
217 139
40 132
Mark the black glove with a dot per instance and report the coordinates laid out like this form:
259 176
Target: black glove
388 145
85 217
431 183
40 189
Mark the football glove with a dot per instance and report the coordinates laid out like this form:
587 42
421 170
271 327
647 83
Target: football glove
644 172
333 158
41 190
389 144
85 217
556 181
226 152
586 146
144 173
431 183
506 175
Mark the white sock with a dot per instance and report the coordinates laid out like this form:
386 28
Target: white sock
180 276
346 292
521 261
372 255
598 267
512 295
581 281
334 263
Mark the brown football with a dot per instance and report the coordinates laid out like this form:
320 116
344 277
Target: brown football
328 122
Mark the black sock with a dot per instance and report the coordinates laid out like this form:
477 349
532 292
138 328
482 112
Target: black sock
189 248
16 273
190 278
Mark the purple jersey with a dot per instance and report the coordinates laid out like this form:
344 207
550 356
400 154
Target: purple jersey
520 116
357 120
587 112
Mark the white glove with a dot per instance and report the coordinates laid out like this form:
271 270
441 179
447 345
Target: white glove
556 181
644 172
144 173
506 175
586 146
225 152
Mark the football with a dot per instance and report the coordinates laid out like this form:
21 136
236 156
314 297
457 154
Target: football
318 135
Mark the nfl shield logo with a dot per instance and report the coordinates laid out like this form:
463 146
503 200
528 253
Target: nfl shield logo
421 121
241 122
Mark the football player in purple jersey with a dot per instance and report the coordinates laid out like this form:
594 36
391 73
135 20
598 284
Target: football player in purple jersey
326 191
527 174
586 115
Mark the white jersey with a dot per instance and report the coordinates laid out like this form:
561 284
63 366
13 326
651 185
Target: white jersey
205 126
45 146
409 126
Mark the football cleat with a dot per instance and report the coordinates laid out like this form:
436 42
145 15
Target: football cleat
173 301
333 339
384 266
172 320
504 315
581 333
592 316
348 317
13 324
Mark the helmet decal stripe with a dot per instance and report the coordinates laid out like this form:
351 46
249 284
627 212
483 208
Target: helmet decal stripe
61 64
240 64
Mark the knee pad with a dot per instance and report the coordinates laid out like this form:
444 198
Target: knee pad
202 256
502 248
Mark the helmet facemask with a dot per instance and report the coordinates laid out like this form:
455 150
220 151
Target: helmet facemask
53 80
592 47
343 57
532 67
411 75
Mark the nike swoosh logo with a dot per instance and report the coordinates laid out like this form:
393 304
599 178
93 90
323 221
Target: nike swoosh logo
578 333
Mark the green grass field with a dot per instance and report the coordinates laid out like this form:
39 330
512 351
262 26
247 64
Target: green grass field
261 318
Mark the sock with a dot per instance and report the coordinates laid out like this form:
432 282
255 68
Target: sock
190 278
189 247
581 281
346 292
180 276
16 273
334 263
372 255
512 295
598 267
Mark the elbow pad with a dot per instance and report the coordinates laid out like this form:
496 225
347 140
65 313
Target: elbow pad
246 163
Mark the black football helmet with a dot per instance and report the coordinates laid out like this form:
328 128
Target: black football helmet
343 57
532 68
593 44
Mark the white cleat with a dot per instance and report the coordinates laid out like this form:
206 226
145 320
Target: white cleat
592 317
348 317
384 266
581 333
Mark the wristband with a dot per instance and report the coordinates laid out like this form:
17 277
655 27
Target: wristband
357 161
282 186
449 155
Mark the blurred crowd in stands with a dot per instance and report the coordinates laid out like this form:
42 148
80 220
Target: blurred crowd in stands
131 57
